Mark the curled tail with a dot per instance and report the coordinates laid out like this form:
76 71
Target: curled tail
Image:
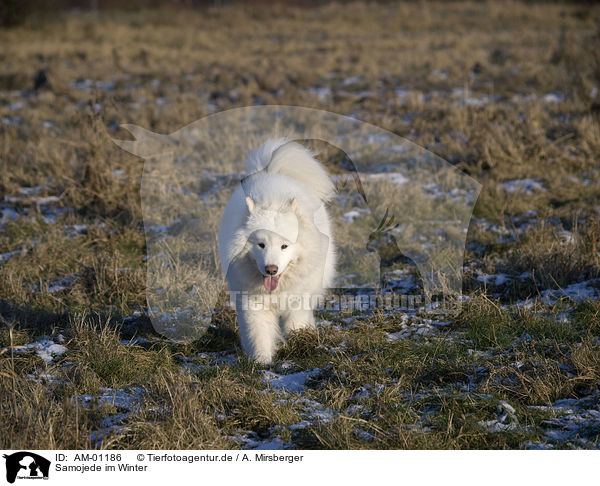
293 160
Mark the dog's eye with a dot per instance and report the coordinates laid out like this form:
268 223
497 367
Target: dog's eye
283 247
261 245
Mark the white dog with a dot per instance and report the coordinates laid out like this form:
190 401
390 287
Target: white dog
275 245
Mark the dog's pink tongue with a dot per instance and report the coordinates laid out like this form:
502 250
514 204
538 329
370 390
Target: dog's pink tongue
271 283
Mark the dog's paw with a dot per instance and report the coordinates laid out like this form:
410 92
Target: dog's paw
263 360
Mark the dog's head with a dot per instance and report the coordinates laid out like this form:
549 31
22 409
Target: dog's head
273 240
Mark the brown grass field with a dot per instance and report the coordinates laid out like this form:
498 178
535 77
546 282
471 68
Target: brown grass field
508 92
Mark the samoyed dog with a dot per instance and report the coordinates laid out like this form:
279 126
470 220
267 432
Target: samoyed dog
275 245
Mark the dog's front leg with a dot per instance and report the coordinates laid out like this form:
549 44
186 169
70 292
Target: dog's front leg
297 319
260 334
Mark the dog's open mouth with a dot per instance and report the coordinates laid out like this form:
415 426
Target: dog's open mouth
271 282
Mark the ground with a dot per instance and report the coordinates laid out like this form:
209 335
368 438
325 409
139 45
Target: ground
506 92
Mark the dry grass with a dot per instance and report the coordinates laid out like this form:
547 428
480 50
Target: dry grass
99 359
554 262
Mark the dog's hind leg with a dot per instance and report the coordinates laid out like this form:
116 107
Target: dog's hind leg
260 334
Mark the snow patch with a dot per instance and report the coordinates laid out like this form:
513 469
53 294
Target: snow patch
46 349
293 382
525 186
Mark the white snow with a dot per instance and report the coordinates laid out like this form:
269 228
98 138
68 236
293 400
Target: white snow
46 378
394 177
47 200
314 411
12 120
125 398
354 214
5 256
494 279
351 80
413 329
157 228
62 283
577 421
322 92
554 97
8 214
472 101
250 440
289 383
363 435
270 445
402 93
45 349
394 149
365 391
527 186
299 425
439 74
577 291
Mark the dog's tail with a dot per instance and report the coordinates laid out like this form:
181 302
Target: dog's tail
293 160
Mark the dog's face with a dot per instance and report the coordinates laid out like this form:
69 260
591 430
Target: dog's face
273 240
272 254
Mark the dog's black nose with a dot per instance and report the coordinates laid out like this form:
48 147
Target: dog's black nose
271 269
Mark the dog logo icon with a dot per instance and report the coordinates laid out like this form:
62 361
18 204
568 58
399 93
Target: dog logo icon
26 465
399 213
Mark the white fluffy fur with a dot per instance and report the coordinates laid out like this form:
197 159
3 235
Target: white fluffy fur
277 218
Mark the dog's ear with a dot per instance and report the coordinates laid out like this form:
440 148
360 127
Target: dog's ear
250 205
